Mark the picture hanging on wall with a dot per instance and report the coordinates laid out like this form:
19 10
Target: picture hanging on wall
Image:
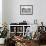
26 9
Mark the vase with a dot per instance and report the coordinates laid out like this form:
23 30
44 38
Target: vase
2 40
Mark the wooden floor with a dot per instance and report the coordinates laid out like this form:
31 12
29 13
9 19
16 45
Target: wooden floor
42 45
32 45
1 45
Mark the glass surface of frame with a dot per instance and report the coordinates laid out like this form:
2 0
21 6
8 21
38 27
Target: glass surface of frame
26 9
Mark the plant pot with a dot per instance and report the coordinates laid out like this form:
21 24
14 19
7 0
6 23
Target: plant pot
2 40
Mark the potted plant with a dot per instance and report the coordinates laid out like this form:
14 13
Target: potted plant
3 34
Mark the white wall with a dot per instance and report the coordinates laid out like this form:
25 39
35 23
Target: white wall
4 11
0 13
12 11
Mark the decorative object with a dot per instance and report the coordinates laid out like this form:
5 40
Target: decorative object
26 9
28 33
35 21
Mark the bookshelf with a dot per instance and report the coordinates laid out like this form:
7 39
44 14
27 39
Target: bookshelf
18 29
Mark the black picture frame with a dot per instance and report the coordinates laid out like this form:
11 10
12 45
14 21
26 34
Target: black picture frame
26 9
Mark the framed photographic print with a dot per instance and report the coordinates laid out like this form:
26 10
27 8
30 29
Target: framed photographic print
26 9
